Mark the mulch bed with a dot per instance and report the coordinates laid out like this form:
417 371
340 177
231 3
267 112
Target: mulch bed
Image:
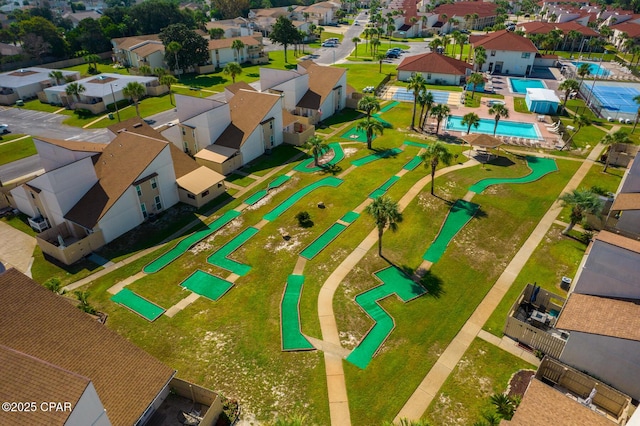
519 382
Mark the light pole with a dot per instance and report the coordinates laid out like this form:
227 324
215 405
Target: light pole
115 103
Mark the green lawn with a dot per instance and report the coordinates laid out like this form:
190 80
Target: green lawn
36 105
484 370
44 268
519 105
362 75
12 151
263 164
20 223
588 135
239 179
103 67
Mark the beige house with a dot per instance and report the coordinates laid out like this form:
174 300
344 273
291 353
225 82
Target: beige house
221 51
91 194
138 51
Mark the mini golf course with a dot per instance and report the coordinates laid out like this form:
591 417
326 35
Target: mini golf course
384 187
291 334
415 162
137 304
262 193
186 243
328 236
416 144
330 181
393 282
338 155
207 285
461 212
220 259
377 156
353 134
539 167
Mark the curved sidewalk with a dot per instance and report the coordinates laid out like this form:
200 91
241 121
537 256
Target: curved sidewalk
336 385
420 400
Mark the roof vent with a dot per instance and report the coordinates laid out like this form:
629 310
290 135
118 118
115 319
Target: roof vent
135 126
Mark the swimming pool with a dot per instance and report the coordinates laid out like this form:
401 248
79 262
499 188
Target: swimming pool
505 128
594 69
520 85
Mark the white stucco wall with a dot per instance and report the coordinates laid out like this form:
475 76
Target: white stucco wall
224 56
444 78
615 361
52 156
28 90
513 62
88 410
292 84
209 118
21 200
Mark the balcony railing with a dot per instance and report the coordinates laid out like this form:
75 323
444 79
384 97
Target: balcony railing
39 223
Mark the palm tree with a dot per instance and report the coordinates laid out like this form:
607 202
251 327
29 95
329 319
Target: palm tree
237 45
582 202
93 60
417 83
440 112
233 69
460 39
426 100
159 71
636 99
385 212
445 43
568 86
573 35
369 104
479 57
380 57
470 119
370 127
612 138
168 80
584 70
476 79
505 405
355 41
374 46
434 44
172 49
317 146
58 76
75 89
498 111
434 155
580 121
144 70
135 91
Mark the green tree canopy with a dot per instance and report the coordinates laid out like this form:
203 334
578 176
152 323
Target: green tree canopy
232 69
135 91
582 202
152 16
385 212
283 33
193 47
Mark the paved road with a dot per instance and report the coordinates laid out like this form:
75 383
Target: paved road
331 55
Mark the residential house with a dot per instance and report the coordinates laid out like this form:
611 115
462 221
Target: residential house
76 17
7 49
238 27
321 13
435 68
100 91
138 51
221 51
624 31
52 351
263 19
464 12
90 194
559 395
27 83
531 29
507 52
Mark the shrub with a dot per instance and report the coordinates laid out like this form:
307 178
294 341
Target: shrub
304 219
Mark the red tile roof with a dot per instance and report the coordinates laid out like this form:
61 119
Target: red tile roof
434 63
505 40
574 26
462 8
632 30
536 27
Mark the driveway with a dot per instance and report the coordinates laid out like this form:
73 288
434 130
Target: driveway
16 248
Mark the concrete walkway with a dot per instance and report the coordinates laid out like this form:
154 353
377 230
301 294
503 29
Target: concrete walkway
16 248
336 384
418 403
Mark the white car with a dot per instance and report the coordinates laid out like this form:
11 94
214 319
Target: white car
4 128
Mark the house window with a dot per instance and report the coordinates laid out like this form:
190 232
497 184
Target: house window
271 140
271 124
184 132
139 190
154 183
191 196
429 76
219 184
526 55
158 203
493 53
193 133
144 210
205 193
32 196
186 146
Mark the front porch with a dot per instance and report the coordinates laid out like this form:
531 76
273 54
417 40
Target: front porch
66 246
39 223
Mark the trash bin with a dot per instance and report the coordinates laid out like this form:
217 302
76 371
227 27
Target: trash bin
111 116
19 102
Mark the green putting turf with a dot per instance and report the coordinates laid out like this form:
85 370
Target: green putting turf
188 242
388 107
393 282
415 162
292 337
220 259
207 285
305 166
384 122
137 304
328 181
418 144
349 217
262 193
322 241
539 167
353 134
385 186
461 212
377 156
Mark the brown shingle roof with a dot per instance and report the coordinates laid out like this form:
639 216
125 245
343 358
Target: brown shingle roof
119 165
148 48
26 378
44 325
544 405
601 315
619 240
627 201
434 63
135 125
322 80
225 43
74 146
182 163
240 85
248 109
126 43
505 40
